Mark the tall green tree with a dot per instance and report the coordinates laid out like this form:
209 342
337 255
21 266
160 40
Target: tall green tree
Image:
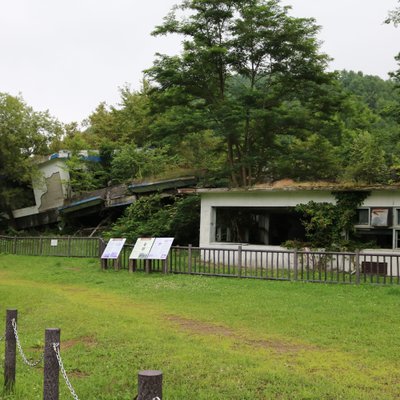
126 123
23 133
394 18
240 61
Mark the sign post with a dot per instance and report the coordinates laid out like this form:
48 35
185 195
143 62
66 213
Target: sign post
150 249
112 252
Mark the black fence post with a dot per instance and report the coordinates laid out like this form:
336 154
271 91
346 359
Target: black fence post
15 245
51 366
69 246
190 259
165 265
102 246
239 264
132 265
10 352
147 267
357 265
149 385
295 265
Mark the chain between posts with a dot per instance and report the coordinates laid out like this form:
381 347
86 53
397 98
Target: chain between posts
56 347
63 372
21 352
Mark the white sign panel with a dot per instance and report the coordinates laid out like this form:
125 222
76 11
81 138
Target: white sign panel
142 248
160 249
113 248
54 242
380 217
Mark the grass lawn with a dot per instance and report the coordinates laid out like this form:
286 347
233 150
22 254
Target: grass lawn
213 338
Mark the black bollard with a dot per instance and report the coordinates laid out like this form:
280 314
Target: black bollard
51 366
149 385
10 352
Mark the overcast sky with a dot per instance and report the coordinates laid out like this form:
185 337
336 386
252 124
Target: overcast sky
67 56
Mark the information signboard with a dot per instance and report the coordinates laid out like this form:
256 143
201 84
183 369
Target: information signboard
160 249
113 249
379 216
142 248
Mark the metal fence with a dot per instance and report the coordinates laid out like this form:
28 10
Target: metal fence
284 265
65 246
288 265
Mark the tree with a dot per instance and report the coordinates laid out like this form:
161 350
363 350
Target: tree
23 133
240 61
394 18
127 123
330 225
157 216
131 162
366 161
314 158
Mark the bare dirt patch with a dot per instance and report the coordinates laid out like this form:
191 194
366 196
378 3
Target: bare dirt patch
200 327
75 289
87 341
77 373
204 328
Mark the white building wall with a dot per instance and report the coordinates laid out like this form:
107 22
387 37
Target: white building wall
46 171
284 198
288 198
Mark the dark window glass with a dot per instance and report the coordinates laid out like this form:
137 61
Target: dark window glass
362 216
270 226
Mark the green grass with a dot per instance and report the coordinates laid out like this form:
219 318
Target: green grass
213 338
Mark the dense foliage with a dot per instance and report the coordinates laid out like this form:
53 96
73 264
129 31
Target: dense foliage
247 100
329 225
154 216
23 133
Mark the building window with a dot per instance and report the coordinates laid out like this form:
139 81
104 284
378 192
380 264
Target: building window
265 226
380 217
374 238
362 216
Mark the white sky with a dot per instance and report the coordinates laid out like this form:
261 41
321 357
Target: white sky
66 56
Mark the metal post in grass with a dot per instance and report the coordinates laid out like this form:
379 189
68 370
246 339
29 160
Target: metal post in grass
147 264
295 265
15 245
51 366
103 261
69 246
132 265
116 263
101 247
357 265
149 385
165 265
190 259
239 261
10 352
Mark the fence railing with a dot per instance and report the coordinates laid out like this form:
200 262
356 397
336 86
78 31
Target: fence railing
284 265
288 265
149 381
63 246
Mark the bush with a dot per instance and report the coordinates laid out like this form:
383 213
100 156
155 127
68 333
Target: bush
154 216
